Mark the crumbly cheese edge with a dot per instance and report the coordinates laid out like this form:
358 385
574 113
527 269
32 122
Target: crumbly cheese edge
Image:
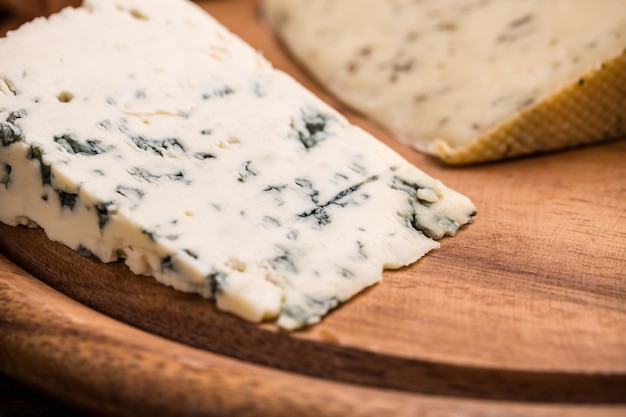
142 260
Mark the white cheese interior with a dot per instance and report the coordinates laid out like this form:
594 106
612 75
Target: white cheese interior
144 130
449 69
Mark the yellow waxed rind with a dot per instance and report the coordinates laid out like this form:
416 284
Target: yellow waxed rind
591 110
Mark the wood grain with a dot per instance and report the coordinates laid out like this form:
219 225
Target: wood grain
104 367
526 304
332 350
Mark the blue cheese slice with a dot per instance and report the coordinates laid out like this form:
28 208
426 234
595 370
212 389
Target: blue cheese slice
469 80
143 130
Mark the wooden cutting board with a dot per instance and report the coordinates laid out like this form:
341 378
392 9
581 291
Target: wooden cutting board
526 306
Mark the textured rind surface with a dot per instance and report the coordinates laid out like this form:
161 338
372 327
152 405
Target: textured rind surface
589 111
199 164
568 113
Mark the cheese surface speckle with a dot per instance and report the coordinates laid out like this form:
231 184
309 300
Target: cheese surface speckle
158 137
469 80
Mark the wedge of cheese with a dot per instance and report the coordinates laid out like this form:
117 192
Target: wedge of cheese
143 130
467 80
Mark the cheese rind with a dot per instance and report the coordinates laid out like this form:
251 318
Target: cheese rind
196 162
469 81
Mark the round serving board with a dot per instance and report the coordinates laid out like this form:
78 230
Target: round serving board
526 306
